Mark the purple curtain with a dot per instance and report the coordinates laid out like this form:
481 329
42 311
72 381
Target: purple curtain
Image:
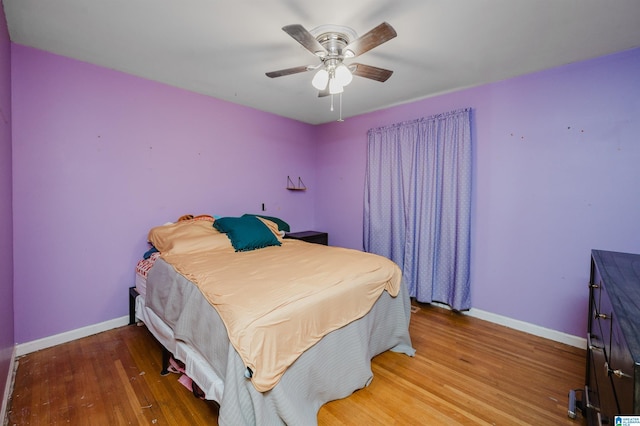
418 204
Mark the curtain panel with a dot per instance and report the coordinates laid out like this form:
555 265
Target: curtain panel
417 208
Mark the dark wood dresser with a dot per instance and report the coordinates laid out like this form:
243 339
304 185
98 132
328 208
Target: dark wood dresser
613 338
310 237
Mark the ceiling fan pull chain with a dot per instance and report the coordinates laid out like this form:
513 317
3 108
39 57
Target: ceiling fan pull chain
340 116
331 109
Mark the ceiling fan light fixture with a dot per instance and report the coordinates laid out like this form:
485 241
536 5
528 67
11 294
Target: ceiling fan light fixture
335 87
343 75
320 80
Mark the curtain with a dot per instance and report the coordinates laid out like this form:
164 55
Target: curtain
417 208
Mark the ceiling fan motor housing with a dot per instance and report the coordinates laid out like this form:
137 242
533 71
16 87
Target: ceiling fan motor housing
334 43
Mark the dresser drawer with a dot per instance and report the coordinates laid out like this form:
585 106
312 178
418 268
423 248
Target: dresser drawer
595 292
603 318
602 399
621 369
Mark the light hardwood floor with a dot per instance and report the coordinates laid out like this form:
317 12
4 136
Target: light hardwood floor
466 372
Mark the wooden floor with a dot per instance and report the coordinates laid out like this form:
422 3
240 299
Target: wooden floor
466 372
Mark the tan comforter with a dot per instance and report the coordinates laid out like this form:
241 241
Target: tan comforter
276 302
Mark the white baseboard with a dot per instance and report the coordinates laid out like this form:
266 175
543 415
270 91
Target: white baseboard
8 387
536 330
47 342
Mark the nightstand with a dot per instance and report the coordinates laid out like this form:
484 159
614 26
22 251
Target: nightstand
310 237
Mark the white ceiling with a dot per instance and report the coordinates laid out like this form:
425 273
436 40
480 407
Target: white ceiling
223 48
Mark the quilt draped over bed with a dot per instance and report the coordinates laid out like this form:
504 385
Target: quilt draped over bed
273 313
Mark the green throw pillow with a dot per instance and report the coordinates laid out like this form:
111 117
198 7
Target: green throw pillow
282 225
246 233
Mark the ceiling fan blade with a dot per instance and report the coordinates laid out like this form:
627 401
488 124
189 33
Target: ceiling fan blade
306 39
368 71
288 71
380 34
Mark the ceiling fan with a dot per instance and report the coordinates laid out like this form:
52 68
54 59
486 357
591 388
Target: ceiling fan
333 44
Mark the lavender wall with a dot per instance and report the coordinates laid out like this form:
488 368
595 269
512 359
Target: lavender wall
101 156
556 174
6 230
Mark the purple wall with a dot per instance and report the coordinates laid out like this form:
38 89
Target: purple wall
556 174
7 339
100 157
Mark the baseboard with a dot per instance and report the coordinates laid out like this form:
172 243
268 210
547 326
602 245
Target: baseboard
536 330
47 342
8 387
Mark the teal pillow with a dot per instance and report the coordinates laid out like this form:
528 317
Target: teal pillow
282 225
246 233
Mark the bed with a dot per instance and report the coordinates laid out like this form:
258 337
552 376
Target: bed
270 328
